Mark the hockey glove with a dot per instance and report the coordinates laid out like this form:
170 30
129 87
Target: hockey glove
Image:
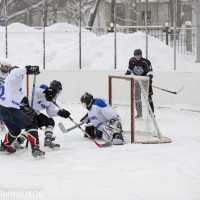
32 70
28 110
63 113
128 73
49 94
85 119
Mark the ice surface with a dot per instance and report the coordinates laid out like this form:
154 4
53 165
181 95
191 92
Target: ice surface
81 170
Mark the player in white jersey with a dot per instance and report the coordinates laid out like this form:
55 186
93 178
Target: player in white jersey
10 97
5 65
105 120
43 98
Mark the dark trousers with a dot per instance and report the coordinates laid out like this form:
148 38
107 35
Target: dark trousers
38 122
15 120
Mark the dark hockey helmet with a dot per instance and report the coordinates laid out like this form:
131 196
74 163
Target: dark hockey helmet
56 86
87 100
138 52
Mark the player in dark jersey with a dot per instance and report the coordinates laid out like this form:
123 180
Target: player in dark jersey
140 66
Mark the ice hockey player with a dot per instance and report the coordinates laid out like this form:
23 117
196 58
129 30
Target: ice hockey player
43 98
105 122
10 97
5 65
140 66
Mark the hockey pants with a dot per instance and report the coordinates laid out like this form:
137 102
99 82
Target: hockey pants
15 120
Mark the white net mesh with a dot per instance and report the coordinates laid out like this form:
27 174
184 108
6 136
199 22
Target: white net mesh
145 126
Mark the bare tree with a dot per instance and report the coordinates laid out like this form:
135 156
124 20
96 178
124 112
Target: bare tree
93 13
130 12
178 17
72 10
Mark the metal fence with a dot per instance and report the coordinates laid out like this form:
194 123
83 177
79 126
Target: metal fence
185 37
185 40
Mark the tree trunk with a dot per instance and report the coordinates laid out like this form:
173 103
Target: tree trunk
171 8
179 17
112 17
93 14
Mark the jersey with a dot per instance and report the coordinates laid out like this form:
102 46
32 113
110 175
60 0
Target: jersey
139 68
2 78
40 103
11 91
101 112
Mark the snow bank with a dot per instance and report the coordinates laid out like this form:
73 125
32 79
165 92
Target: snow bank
25 46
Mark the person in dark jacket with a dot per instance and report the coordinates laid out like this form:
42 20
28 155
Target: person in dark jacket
140 66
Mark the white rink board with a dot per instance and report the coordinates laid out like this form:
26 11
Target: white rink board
76 82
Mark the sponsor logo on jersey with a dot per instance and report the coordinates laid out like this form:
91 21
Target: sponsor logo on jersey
93 118
14 102
2 98
138 70
42 105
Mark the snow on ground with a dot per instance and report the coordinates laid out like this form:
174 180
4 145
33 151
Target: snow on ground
80 170
25 46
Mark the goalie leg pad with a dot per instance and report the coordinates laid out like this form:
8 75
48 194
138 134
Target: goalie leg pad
112 132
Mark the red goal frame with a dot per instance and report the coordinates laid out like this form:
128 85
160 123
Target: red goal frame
131 79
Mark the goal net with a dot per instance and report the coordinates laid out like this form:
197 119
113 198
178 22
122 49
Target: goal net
129 96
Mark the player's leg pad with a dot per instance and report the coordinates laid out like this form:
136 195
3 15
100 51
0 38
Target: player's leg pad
112 132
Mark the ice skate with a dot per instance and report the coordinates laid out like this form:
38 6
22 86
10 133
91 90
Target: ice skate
48 142
118 139
7 148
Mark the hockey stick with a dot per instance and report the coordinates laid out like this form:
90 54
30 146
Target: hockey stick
33 93
107 144
178 91
64 130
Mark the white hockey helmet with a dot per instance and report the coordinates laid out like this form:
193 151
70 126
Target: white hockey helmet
5 65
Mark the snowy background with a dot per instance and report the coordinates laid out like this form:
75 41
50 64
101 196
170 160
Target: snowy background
62 49
80 170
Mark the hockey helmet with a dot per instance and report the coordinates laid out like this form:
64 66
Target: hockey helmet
56 86
87 100
5 65
138 52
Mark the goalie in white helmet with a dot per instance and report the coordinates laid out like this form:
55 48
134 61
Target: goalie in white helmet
105 122
5 65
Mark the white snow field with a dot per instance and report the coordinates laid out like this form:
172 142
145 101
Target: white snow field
25 46
81 170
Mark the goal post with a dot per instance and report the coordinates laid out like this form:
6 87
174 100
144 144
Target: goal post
129 94
110 78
